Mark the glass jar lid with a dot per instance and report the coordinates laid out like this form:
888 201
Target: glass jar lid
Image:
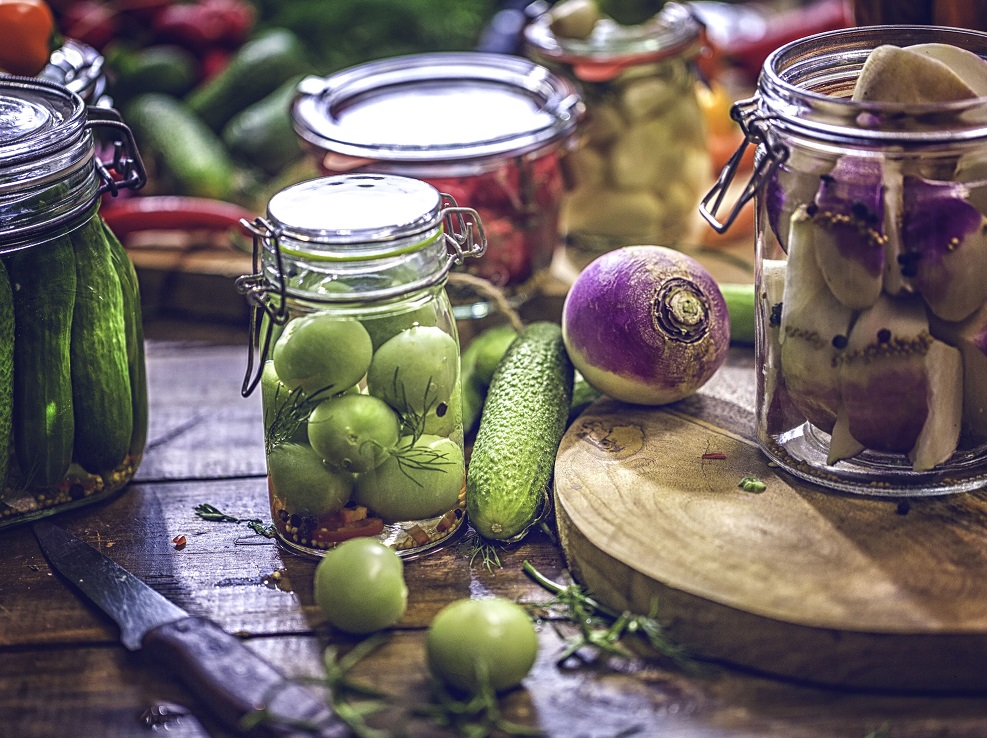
372 210
37 119
437 107
671 32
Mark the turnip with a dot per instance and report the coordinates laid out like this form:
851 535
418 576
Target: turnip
646 324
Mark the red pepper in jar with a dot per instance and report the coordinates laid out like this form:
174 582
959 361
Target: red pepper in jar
26 31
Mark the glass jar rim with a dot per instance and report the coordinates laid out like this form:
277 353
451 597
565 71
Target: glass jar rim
673 31
342 113
793 78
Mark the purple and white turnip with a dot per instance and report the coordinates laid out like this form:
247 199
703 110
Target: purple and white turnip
646 325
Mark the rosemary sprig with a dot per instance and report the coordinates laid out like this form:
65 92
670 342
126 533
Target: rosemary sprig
601 628
215 515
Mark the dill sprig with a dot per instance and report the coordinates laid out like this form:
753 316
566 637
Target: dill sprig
353 703
475 716
290 414
599 627
215 515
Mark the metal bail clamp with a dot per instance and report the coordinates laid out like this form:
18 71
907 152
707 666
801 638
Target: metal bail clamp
126 158
255 288
464 235
774 155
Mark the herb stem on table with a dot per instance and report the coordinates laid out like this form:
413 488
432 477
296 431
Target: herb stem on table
601 627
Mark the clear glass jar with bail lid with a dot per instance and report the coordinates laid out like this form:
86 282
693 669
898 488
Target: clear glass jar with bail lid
871 193
643 161
490 130
359 360
73 395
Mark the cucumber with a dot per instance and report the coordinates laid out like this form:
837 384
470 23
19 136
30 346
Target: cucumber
6 372
161 68
101 397
262 133
740 306
184 150
135 340
523 420
44 282
257 69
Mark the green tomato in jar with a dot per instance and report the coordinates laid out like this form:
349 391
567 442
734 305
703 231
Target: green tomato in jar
416 370
354 433
384 328
306 485
445 419
320 352
360 586
488 639
417 481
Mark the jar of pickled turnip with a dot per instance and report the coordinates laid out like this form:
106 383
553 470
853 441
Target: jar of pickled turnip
359 360
643 161
491 130
870 183
73 391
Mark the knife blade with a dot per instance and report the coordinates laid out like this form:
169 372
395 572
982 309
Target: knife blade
229 679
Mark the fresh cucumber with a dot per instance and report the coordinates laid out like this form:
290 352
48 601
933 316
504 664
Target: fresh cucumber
6 371
262 133
101 397
186 154
135 340
257 69
43 279
523 420
740 306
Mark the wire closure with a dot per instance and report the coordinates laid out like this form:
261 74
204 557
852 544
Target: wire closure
463 235
126 158
775 154
255 288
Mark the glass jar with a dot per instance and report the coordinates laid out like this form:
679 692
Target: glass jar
73 392
871 271
489 129
643 161
360 360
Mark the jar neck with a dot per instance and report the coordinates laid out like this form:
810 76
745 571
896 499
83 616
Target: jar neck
45 198
339 273
805 89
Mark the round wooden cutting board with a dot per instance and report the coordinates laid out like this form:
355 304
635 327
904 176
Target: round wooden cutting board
794 581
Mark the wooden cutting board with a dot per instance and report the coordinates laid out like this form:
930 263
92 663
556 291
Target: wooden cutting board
795 581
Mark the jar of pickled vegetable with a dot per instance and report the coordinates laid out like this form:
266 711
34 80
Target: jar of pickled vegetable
73 393
359 360
643 161
489 129
871 195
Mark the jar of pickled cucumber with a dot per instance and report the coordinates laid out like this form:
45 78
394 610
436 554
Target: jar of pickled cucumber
73 392
643 162
359 360
490 130
870 182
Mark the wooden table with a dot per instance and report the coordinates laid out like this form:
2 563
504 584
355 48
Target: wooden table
64 673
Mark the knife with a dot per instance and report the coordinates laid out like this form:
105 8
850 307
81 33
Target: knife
231 680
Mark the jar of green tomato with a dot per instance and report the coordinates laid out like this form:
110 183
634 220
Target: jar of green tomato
73 391
359 360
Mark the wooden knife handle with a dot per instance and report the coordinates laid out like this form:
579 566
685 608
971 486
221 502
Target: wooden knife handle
232 681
